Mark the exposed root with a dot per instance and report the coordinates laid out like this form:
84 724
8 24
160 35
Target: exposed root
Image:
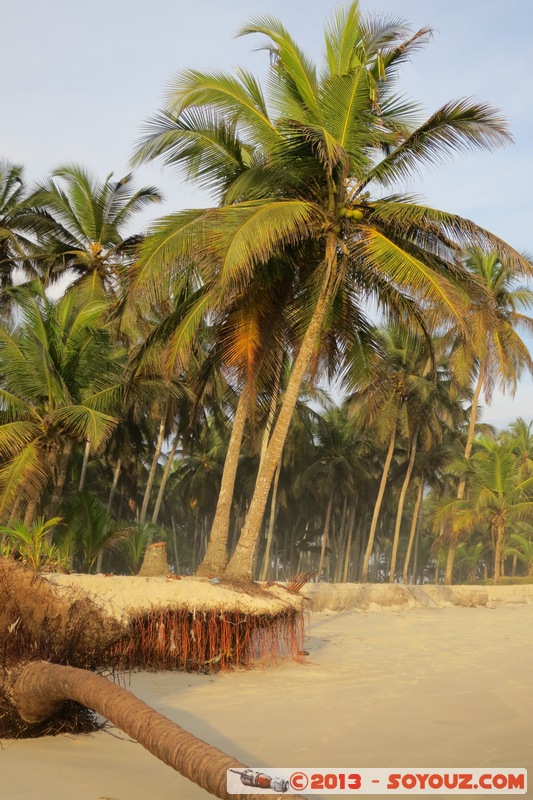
208 640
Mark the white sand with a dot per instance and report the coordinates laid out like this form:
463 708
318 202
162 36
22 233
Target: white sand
433 687
119 594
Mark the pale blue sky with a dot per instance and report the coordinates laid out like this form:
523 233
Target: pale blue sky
79 79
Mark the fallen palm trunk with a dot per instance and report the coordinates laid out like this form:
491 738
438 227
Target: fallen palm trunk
41 689
52 636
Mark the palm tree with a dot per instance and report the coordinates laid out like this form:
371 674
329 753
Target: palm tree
90 217
519 435
250 341
332 474
521 547
32 543
20 227
88 530
303 172
61 382
498 495
490 351
389 399
11 248
198 477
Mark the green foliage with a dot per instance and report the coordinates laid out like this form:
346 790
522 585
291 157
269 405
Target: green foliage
133 546
33 544
61 381
165 331
89 529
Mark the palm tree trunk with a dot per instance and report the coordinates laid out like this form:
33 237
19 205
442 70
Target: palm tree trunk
462 484
15 511
29 516
61 478
151 475
114 485
340 546
271 525
325 535
399 513
42 687
414 578
473 418
195 545
241 564
377 508
164 479
351 525
414 526
86 455
216 556
100 561
274 400
498 551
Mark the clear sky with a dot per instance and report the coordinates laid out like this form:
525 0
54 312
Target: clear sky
78 79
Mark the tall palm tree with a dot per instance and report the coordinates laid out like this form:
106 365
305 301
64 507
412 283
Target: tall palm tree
332 474
490 351
90 219
390 399
305 171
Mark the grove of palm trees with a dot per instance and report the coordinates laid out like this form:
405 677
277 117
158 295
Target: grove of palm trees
287 381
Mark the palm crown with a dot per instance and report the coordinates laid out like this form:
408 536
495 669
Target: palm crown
89 217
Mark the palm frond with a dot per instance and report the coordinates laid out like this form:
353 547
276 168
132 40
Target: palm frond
84 423
457 126
25 476
292 67
228 96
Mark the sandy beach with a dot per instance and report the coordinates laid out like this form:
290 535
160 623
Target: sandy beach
403 687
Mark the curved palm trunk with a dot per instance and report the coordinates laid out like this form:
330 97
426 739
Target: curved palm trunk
151 475
462 485
414 526
41 688
216 556
241 564
377 509
164 479
399 513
